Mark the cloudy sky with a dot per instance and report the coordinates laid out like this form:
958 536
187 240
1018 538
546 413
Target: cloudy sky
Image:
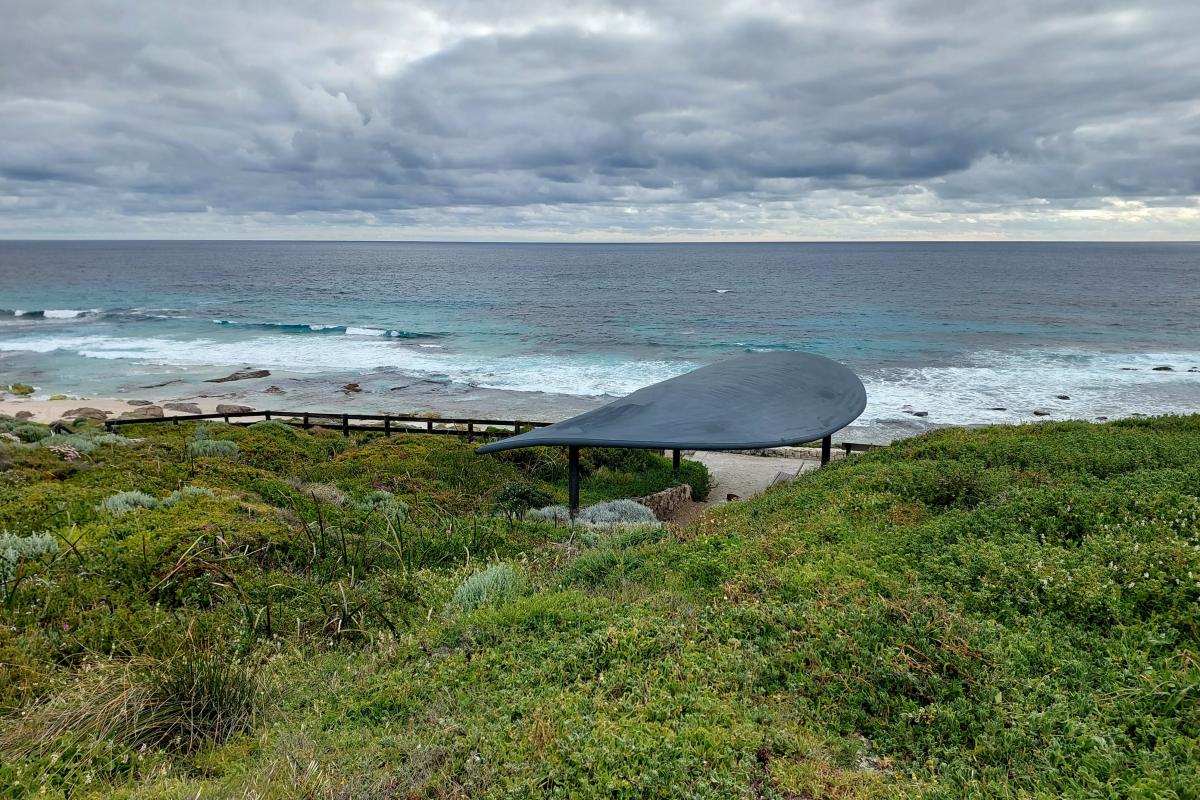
532 119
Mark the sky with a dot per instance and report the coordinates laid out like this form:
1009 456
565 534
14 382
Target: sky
600 121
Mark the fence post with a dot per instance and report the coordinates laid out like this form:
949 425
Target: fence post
470 431
573 481
266 414
345 424
387 426
675 464
826 445
429 424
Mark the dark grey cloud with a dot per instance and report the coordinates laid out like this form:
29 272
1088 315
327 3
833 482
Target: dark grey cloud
597 119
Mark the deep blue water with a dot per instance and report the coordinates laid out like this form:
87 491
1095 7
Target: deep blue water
951 329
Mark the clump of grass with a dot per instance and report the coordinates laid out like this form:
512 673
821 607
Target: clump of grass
559 515
179 704
212 448
321 492
490 586
122 503
187 491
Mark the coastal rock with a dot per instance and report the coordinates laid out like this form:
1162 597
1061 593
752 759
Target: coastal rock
139 402
232 408
274 390
998 408
10 437
87 412
1101 419
1163 369
920 413
1062 397
160 385
187 408
24 415
241 375
145 412
1041 412
1128 369
349 388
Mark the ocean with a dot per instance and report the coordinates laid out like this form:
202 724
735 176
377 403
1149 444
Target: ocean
941 333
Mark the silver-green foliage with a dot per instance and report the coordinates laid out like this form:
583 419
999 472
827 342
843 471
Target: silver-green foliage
617 512
212 448
187 491
559 515
15 549
490 586
122 503
85 441
385 503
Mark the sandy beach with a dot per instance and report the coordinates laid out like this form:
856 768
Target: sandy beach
51 410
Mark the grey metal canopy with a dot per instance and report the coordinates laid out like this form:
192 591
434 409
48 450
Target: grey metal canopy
750 401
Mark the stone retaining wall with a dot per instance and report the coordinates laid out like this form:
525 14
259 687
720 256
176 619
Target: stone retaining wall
664 504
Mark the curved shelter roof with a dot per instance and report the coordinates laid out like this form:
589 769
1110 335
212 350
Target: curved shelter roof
751 401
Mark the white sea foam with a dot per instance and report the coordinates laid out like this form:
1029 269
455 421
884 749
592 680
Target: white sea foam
353 331
576 375
1097 384
68 313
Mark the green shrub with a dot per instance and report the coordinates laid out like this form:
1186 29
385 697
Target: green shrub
490 586
25 431
274 426
123 502
516 498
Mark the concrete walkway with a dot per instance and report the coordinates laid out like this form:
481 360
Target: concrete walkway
745 475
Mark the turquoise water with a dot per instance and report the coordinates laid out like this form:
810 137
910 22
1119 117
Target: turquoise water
954 330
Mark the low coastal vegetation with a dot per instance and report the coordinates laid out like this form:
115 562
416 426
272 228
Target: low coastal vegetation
1012 611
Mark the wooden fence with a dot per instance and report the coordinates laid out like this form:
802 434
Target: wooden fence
387 424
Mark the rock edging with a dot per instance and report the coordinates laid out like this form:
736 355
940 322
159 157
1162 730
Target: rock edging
664 504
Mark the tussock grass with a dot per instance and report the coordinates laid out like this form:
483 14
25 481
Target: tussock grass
196 697
489 586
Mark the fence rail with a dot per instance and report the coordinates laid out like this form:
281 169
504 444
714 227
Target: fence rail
392 423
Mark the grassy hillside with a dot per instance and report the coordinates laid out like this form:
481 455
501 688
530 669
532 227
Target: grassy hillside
1004 612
